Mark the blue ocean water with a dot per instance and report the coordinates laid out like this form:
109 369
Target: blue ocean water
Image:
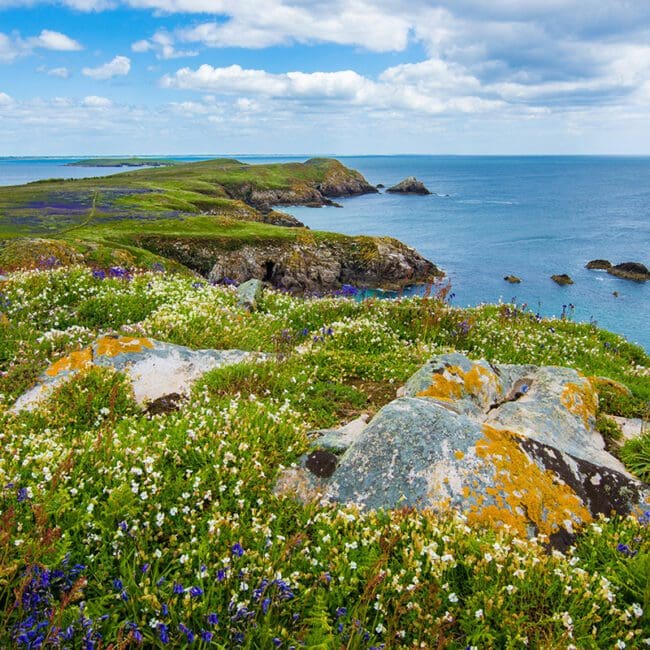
490 217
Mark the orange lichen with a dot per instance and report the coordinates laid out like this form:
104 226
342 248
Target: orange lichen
523 493
479 381
459 455
74 361
455 383
443 388
111 347
581 401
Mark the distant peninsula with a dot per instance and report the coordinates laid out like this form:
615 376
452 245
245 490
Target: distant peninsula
122 162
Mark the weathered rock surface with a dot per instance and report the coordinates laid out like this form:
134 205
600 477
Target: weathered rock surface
278 218
312 265
562 279
513 279
631 427
506 444
598 264
410 185
249 294
156 369
630 271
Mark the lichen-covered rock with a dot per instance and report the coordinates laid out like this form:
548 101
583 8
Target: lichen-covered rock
506 444
249 294
410 185
630 271
155 368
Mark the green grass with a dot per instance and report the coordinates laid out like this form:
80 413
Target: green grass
174 518
155 212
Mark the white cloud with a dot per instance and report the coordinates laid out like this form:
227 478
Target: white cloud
61 72
50 40
93 101
5 100
435 94
141 46
118 67
15 46
163 44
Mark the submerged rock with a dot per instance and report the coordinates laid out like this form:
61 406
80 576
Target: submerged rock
505 444
630 271
156 369
513 279
598 264
562 279
410 185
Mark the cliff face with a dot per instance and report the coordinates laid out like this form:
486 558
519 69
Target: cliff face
308 265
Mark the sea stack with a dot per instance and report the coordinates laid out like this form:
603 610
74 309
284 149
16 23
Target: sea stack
410 185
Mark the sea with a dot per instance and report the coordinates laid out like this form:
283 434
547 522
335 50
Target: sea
488 217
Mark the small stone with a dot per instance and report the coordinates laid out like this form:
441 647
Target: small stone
164 404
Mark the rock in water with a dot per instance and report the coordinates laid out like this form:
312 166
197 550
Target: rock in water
155 368
513 279
249 294
630 271
598 264
410 185
505 444
562 279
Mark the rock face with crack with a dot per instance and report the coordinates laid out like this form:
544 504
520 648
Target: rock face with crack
506 444
156 369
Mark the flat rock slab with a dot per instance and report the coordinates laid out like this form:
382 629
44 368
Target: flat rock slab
155 368
506 444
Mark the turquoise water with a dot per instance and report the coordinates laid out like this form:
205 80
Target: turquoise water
493 216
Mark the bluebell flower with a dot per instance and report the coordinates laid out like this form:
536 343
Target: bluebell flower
23 494
265 605
163 633
276 642
195 592
144 568
237 549
213 619
207 636
178 588
118 584
221 575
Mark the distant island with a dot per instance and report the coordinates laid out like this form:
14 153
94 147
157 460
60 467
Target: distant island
122 162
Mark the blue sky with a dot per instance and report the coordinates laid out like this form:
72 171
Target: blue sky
324 76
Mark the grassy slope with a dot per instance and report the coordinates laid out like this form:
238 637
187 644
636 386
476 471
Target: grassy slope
116 212
152 508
